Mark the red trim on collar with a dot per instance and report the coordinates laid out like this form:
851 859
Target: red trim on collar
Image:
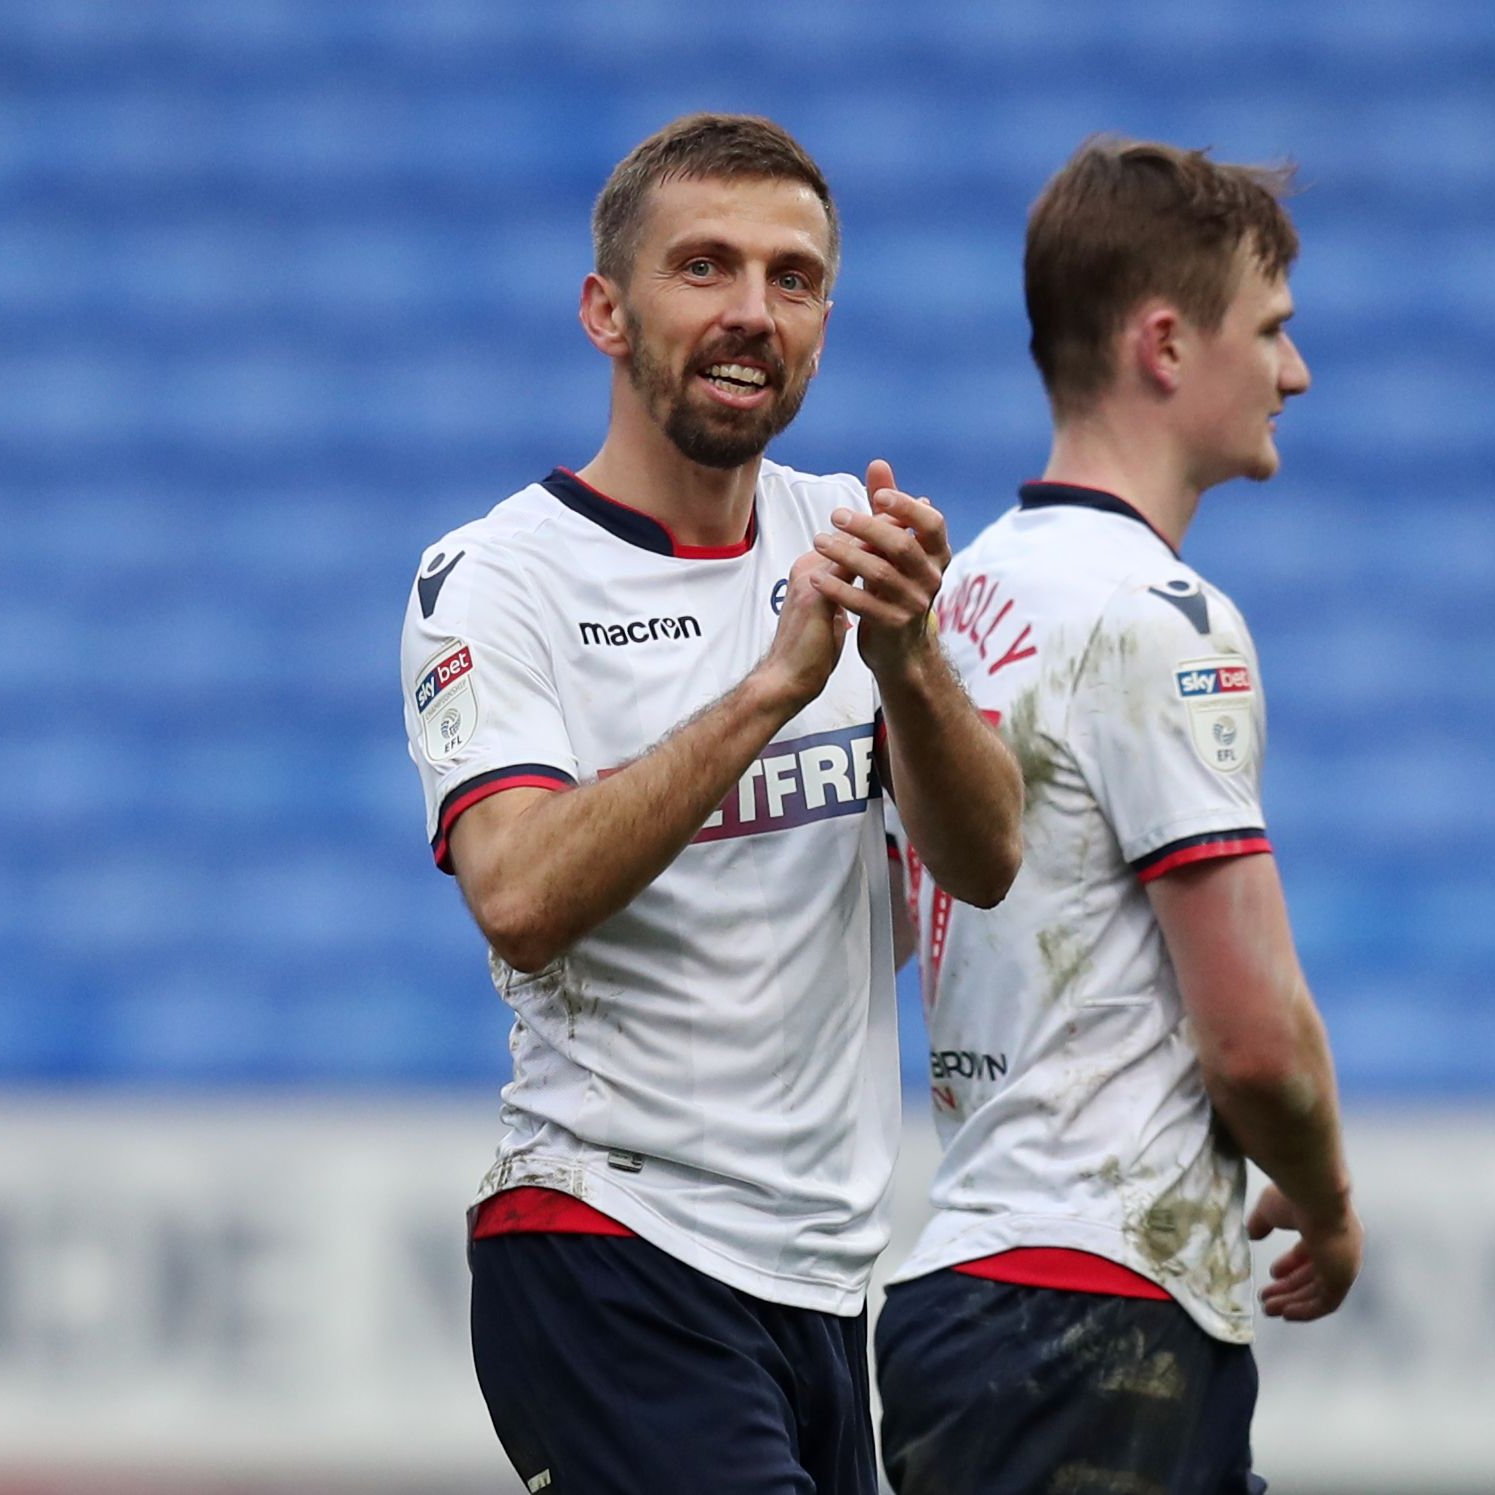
681 552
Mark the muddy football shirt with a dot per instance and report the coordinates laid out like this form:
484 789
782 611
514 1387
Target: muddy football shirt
1065 1086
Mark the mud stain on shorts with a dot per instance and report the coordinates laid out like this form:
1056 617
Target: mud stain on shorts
1090 1479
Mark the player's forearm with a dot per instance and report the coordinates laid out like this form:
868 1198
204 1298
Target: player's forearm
1262 1049
958 787
575 858
1285 1117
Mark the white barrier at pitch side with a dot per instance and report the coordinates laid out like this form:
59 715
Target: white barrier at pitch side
277 1286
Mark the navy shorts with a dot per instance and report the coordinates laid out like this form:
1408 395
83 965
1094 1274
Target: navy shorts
993 1389
610 1368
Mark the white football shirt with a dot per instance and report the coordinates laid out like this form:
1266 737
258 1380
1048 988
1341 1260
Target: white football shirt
1066 1090
715 1066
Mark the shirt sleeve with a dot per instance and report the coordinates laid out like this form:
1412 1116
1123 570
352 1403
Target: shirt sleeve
482 713
1169 726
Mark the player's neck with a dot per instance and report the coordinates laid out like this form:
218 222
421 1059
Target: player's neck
640 466
1125 458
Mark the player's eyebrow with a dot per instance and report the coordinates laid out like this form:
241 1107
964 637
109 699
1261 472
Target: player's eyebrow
692 244
809 260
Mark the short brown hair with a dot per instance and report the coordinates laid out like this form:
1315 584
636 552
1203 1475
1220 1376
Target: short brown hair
1127 219
729 147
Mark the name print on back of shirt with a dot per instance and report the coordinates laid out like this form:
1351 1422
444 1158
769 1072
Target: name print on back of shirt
977 610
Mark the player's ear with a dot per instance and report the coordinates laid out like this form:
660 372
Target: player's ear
1156 333
603 317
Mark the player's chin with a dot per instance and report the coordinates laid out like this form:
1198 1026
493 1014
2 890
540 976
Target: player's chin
720 443
1262 464
719 416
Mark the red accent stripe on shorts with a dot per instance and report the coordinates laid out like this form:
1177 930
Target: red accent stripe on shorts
1057 1266
529 1210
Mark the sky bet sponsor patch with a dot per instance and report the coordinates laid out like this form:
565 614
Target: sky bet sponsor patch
1218 697
1225 677
442 672
446 701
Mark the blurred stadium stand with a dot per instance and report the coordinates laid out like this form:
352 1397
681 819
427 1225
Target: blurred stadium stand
286 291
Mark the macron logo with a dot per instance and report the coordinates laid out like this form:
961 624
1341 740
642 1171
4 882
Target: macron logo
1225 680
640 631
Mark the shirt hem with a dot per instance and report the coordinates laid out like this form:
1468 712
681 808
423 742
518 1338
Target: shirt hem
951 1239
577 1178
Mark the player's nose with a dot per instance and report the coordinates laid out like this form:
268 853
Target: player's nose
1293 377
747 309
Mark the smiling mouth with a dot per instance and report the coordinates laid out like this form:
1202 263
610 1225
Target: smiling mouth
736 378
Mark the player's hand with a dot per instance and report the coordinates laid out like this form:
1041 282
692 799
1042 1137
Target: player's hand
888 567
812 628
1314 1276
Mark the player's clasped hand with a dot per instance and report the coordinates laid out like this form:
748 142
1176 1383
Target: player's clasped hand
1313 1278
898 553
811 630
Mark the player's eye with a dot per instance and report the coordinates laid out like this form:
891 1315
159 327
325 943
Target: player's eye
798 283
699 268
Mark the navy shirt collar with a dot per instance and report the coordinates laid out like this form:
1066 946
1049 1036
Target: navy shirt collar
634 526
1040 495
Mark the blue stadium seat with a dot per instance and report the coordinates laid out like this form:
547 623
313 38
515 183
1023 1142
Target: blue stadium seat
288 291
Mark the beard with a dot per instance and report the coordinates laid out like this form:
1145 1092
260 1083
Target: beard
714 435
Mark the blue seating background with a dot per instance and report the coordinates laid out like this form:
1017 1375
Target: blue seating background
286 290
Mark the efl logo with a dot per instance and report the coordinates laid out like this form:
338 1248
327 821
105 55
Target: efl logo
1221 680
441 674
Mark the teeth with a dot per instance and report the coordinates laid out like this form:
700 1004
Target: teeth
737 373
